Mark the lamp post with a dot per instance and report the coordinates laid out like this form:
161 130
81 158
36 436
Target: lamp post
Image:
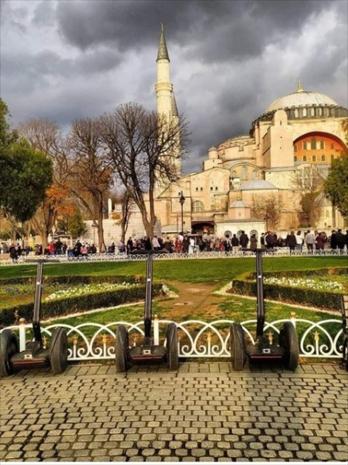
182 201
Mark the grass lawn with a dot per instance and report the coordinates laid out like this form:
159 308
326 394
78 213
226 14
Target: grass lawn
195 270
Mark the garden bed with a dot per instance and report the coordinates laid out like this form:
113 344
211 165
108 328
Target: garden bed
304 288
76 299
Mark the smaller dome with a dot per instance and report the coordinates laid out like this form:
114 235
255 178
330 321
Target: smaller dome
238 204
256 184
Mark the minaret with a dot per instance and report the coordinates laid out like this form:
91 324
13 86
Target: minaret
166 104
164 88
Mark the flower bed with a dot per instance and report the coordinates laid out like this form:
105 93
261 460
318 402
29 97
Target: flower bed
87 289
306 283
295 289
76 303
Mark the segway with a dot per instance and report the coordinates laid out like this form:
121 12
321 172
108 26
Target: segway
147 352
35 354
282 349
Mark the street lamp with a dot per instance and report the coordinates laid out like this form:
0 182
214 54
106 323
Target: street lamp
182 201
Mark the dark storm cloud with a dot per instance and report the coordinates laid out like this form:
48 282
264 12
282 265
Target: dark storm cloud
229 59
214 30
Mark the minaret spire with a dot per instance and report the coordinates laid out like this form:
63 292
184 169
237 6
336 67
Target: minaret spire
299 86
162 49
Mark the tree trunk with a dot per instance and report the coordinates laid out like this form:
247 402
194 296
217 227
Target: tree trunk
100 229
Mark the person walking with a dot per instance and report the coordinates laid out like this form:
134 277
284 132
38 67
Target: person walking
299 241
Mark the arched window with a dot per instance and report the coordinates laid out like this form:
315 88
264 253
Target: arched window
197 206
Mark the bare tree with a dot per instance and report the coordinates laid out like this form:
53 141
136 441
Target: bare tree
269 209
127 204
143 148
90 172
309 182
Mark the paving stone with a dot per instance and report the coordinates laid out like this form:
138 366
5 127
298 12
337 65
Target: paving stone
323 456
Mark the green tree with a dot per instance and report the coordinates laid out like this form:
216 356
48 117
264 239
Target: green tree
25 173
336 184
76 225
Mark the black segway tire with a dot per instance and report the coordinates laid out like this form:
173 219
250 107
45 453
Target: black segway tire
58 351
237 344
172 347
288 340
345 353
8 347
121 349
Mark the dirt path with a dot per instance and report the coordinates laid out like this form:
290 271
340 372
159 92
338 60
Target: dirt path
195 300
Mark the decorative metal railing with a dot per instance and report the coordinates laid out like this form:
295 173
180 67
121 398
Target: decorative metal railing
276 252
197 339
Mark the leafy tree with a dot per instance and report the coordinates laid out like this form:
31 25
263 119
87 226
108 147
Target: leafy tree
25 173
336 184
75 225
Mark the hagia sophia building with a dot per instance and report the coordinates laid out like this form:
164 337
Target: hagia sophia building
297 135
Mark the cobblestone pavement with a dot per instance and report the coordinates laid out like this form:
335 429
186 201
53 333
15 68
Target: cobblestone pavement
203 412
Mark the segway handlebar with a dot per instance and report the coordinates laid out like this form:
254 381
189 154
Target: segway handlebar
148 297
260 298
37 303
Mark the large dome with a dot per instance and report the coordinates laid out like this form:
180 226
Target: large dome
301 98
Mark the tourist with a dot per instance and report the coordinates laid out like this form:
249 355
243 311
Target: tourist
270 240
299 241
310 240
13 253
333 240
341 240
243 240
155 244
235 244
291 241
253 242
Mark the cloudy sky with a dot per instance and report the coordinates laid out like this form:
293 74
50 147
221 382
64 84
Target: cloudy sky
65 59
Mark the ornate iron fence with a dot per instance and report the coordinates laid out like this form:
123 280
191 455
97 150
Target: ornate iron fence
277 252
197 339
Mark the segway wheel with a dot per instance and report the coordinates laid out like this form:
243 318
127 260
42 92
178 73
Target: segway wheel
58 351
121 349
289 341
238 353
8 348
345 353
172 347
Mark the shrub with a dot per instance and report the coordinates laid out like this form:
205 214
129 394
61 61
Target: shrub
297 295
76 304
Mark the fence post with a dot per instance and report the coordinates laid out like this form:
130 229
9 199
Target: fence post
156 331
293 318
22 339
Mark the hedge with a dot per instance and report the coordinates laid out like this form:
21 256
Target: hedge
71 305
74 279
321 299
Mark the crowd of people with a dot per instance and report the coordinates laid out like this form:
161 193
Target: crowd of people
194 243
310 240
